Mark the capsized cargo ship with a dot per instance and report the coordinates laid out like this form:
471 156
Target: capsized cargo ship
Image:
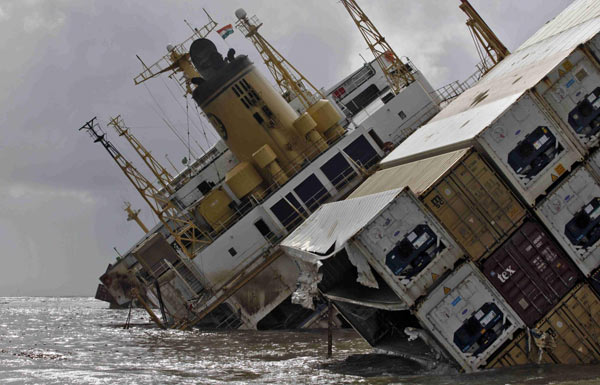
214 259
479 237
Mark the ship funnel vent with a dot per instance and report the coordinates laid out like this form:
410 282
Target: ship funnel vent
207 60
240 13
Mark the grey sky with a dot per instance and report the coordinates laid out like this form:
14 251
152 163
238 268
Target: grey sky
65 61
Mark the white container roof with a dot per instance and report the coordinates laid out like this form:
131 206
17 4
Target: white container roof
457 125
328 229
419 176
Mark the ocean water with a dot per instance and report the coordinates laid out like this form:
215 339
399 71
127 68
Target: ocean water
47 340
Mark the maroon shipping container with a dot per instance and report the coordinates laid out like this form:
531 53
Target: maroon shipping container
531 272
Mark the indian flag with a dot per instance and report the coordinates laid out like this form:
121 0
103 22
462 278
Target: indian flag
225 31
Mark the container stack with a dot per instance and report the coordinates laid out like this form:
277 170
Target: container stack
506 183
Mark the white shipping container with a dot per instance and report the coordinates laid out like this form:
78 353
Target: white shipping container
594 45
529 148
468 317
572 91
572 213
408 248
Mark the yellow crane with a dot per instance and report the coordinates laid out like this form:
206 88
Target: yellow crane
396 72
180 225
488 46
289 80
177 60
161 173
133 215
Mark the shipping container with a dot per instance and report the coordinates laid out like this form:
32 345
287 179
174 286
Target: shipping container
464 194
572 213
407 247
468 317
522 350
595 281
593 163
531 272
512 131
572 92
570 333
529 148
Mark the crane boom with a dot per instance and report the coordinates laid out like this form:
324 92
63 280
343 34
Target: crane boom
180 225
397 73
289 80
161 173
487 43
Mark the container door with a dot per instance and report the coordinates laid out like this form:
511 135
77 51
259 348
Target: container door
531 272
408 248
572 91
520 352
572 213
456 213
490 195
529 149
468 317
574 328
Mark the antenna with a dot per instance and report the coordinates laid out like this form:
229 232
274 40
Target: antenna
161 173
180 225
177 59
132 215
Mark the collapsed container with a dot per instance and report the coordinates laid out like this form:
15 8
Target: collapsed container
572 91
468 317
572 213
463 193
569 334
391 232
531 272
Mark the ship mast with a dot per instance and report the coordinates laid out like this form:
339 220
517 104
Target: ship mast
180 225
396 72
289 80
161 173
133 215
177 60
488 45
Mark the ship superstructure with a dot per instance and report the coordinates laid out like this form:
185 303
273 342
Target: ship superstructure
215 258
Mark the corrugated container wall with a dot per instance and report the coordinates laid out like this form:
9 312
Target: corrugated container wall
572 213
572 91
462 192
531 272
594 162
475 206
408 247
595 281
468 317
569 334
520 352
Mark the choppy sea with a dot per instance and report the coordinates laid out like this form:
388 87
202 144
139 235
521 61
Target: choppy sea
51 340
